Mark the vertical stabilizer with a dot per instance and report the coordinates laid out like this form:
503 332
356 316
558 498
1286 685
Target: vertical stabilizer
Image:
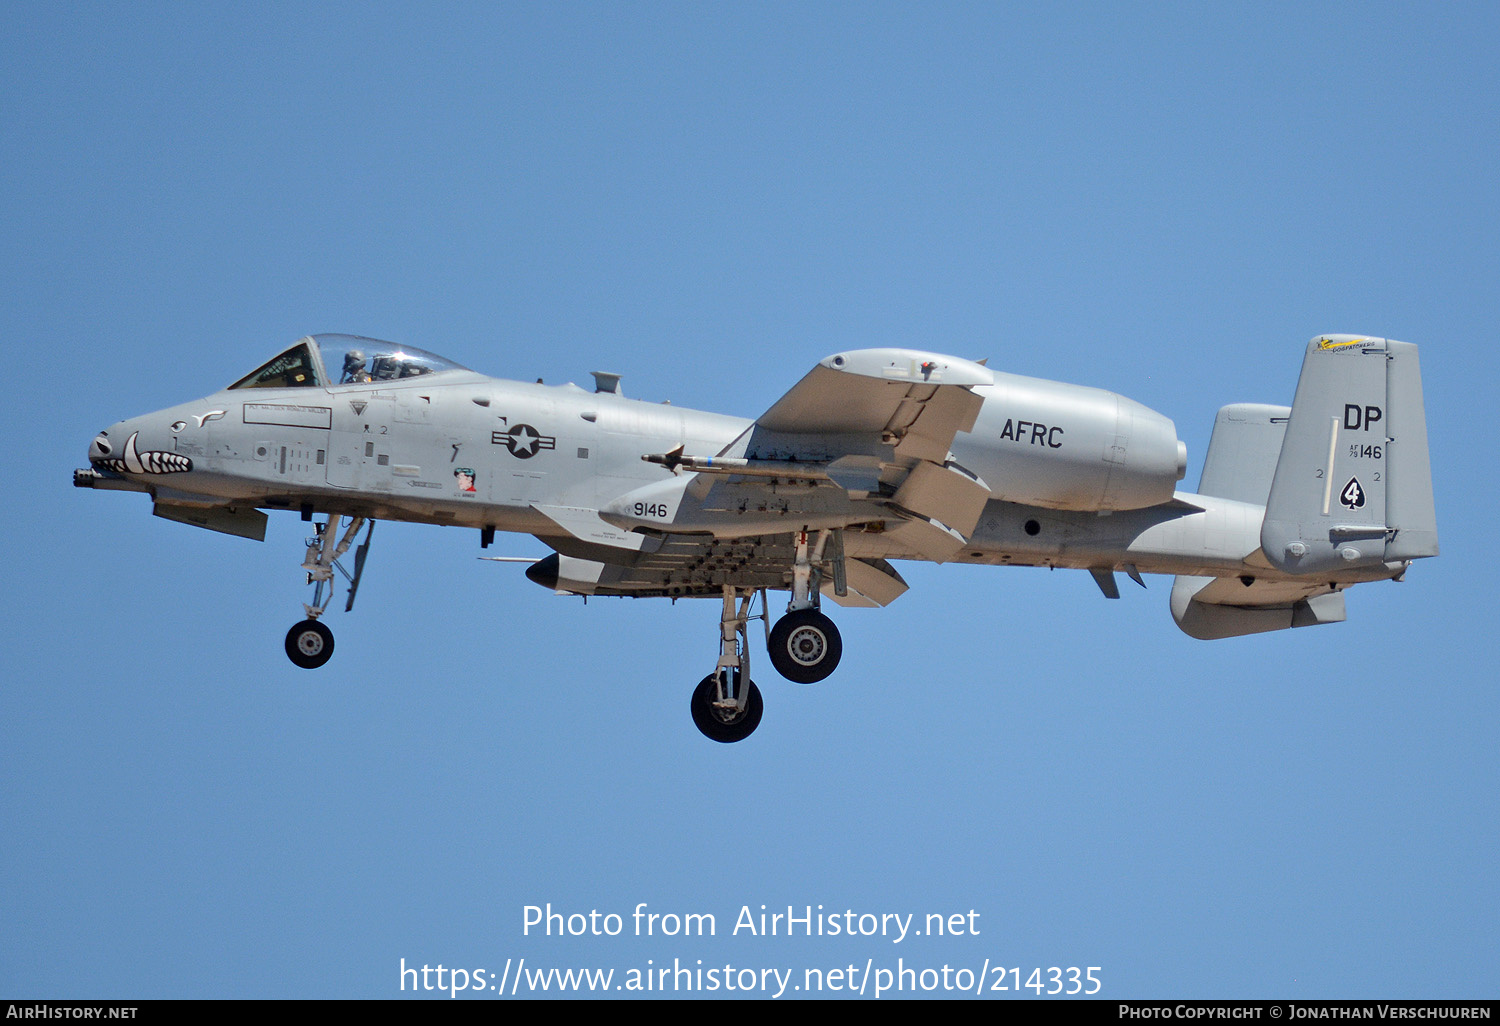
1352 484
1242 453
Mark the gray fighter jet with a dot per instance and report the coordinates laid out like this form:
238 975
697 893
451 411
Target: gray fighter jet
876 455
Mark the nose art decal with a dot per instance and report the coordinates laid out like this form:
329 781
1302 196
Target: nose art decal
153 461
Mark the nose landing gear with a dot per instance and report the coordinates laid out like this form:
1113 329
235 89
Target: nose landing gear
309 644
726 704
716 709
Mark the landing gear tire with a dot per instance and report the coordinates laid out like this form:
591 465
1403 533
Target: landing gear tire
309 644
805 646
725 725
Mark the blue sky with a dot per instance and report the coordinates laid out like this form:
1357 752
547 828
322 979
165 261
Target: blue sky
1166 200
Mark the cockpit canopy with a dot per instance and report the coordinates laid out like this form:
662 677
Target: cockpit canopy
326 360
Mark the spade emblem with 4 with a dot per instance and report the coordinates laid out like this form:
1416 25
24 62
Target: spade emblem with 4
1353 496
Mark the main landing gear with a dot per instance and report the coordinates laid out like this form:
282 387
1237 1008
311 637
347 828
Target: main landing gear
804 646
309 644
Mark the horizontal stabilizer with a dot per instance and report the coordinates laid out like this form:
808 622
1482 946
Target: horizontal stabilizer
1209 608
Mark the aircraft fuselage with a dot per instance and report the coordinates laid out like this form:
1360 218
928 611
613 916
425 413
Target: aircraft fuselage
874 455
473 451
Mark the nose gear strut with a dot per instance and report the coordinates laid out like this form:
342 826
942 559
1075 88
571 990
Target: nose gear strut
726 704
309 644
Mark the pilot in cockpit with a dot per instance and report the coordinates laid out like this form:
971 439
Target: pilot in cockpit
354 368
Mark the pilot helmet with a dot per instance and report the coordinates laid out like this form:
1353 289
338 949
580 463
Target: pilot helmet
354 361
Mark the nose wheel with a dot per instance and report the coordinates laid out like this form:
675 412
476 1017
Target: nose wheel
309 644
726 704
716 711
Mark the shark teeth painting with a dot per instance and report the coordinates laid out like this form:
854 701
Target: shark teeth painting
153 461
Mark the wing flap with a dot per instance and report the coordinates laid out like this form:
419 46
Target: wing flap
944 492
926 426
870 583
919 537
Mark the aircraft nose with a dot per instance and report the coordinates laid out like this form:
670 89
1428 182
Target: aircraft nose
107 444
130 447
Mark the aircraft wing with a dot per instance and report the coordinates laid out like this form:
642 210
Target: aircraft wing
914 400
880 424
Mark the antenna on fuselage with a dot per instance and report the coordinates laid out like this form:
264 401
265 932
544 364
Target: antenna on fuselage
607 382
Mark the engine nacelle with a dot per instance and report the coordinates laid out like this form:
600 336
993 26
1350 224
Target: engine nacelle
1045 443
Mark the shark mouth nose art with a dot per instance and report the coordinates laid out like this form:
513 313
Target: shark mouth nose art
153 461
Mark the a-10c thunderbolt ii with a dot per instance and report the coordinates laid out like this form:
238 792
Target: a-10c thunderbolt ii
875 455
